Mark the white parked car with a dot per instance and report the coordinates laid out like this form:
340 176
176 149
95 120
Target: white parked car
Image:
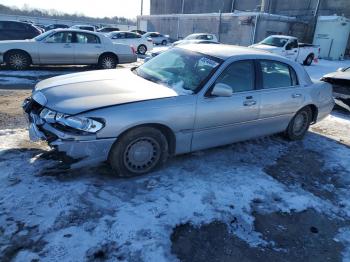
66 47
157 38
141 44
194 38
84 27
289 47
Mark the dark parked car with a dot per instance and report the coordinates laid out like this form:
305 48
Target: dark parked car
55 26
13 30
107 29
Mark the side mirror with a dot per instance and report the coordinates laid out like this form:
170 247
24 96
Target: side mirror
288 47
222 90
341 69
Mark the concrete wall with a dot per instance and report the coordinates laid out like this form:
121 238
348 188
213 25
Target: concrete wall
285 7
230 28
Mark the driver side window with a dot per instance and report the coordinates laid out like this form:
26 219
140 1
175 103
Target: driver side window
61 37
239 76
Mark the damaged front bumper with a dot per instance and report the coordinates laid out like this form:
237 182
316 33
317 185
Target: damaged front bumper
83 147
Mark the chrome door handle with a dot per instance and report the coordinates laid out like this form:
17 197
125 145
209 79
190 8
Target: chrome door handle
67 46
249 103
296 95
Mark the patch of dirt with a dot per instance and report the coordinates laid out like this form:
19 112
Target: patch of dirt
305 168
11 114
305 236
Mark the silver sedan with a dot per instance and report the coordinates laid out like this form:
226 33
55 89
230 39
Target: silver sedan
189 98
66 47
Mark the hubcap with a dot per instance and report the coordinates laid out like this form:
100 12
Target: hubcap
300 123
17 61
141 155
142 49
108 62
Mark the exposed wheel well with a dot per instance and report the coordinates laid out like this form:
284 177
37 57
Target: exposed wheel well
314 111
7 53
108 53
169 134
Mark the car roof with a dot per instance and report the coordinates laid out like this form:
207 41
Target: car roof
283 36
226 51
77 30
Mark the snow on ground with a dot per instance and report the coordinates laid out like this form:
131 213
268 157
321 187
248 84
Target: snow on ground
70 215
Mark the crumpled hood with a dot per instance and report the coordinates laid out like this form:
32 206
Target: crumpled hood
75 93
339 75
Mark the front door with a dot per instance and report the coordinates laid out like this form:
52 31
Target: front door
223 120
292 50
57 49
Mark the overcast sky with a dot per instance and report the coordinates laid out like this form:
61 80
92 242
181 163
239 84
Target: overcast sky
97 8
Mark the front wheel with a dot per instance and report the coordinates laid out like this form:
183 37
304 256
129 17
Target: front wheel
164 42
299 124
18 60
107 62
138 152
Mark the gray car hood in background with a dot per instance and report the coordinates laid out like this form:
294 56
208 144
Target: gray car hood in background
339 75
75 93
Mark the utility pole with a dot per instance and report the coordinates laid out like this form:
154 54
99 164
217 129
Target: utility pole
232 6
141 7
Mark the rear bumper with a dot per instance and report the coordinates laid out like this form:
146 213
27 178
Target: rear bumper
325 110
125 59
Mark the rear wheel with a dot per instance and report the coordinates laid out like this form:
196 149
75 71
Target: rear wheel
18 60
309 59
299 124
164 42
142 49
107 61
138 152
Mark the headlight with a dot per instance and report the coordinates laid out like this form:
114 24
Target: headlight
80 123
75 122
39 97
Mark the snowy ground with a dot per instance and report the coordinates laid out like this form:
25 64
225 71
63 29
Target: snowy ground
261 200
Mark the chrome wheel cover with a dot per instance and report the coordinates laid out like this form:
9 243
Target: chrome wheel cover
142 49
17 61
108 63
142 154
300 123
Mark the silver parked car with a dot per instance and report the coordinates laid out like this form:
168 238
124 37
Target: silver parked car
66 47
189 98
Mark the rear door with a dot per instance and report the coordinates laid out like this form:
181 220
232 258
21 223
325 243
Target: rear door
57 49
223 120
281 95
88 48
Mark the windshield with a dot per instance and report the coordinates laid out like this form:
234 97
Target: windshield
190 37
275 41
44 35
179 69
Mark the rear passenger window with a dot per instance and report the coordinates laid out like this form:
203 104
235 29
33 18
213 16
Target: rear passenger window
84 38
276 74
239 76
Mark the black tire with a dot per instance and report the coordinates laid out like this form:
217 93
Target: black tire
142 49
18 60
139 151
308 60
107 61
164 42
299 124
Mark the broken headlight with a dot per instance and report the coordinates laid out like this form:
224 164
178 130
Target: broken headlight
76 122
